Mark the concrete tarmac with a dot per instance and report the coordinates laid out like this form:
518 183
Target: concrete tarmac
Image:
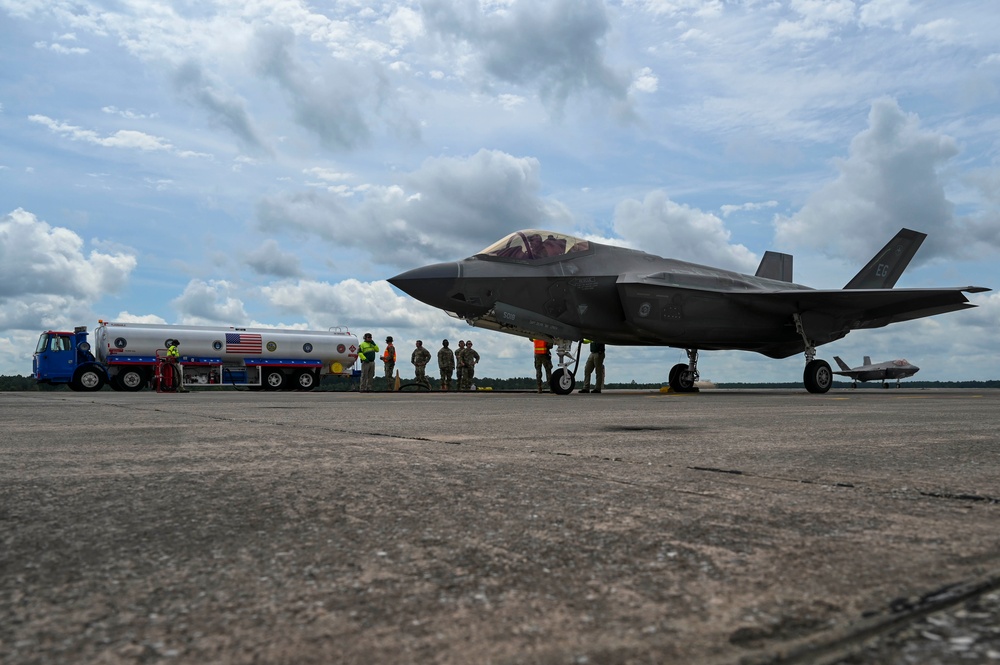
626 527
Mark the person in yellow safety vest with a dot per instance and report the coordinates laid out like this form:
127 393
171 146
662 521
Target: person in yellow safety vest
174 358
367 352
543 359
389 358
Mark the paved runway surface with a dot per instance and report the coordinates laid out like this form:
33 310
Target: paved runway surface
627 527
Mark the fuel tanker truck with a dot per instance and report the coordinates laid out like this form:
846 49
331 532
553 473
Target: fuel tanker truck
131 356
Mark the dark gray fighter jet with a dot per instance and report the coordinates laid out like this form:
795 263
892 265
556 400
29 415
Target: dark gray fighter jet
541 284
890 369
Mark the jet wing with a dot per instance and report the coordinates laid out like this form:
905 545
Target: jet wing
863 308
722 310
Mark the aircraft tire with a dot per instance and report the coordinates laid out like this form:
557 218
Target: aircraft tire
817 376
562 381
680 381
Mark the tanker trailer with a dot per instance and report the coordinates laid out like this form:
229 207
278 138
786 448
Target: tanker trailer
126 355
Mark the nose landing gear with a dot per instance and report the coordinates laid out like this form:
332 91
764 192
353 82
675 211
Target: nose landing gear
563 379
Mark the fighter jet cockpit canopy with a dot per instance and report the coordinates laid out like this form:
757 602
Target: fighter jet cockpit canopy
534 245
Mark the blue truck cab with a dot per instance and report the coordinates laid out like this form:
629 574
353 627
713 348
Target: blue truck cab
65 357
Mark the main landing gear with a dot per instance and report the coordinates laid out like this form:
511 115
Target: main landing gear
683 377
817 377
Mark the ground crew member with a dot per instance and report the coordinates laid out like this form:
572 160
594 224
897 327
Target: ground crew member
471 358
367 352
174 358
460 365
420 357
543 359
446 364
595 363
389 359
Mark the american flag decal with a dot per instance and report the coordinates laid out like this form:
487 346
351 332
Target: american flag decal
242 343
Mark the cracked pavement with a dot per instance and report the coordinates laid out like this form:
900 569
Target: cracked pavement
633 526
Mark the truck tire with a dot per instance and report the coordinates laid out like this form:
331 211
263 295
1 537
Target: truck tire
274 379
130 379
305 379
88 379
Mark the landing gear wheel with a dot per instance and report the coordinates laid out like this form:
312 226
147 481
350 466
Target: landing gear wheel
681 380
817 376
88 379
562 382
306 380
274 379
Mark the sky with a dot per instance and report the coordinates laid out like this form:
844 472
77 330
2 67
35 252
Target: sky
273 162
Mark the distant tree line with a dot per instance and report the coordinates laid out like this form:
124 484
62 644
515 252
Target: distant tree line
18 382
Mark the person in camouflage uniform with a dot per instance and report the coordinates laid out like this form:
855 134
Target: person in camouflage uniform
460 365
471 358
446 363
420 357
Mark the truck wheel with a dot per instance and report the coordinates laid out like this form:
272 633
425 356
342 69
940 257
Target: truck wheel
88 379
305 379
274 379
131 380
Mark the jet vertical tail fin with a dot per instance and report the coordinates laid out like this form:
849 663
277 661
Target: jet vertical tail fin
868 360
775 265
842 364
884 269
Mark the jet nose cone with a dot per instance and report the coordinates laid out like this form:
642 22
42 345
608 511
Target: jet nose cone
430 284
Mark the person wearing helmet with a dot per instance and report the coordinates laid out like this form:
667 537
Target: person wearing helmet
389 360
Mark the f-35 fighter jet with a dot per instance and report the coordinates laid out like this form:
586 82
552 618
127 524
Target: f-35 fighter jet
890 369
541 284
